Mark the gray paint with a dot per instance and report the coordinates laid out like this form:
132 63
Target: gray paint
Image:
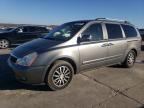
86 55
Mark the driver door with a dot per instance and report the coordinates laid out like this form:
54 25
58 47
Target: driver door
93 47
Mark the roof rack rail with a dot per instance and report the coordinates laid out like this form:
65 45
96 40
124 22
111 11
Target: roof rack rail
107 19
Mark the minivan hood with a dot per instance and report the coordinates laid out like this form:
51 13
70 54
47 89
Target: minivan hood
34 46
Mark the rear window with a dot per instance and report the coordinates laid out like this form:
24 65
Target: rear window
114 31
129 31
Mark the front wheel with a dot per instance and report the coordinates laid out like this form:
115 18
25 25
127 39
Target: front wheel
60 75
4 43
130 59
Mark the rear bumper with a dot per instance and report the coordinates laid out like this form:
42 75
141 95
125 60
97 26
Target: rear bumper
29 75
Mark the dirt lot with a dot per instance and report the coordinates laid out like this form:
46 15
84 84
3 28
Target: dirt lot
108 87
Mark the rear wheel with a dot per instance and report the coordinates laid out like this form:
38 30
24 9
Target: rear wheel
4 43
130 59
60 75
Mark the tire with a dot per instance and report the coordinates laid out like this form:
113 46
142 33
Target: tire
60 75
4 43
130 59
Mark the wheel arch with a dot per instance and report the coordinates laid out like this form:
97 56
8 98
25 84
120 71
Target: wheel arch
67 59
133 49
5 38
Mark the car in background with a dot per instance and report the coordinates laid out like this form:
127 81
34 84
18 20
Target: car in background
142 33
21 34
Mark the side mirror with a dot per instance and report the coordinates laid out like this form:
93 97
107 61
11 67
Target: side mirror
78 39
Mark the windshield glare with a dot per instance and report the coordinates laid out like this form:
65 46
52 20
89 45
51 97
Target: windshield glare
65 31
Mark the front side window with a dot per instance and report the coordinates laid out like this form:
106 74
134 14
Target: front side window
65 31
129 31
93 33
114 31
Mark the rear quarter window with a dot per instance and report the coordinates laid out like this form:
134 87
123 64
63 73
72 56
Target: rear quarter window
129 31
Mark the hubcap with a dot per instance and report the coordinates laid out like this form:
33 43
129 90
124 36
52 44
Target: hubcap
131 58
4 43
61 76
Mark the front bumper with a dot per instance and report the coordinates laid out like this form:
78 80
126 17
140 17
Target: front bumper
29 75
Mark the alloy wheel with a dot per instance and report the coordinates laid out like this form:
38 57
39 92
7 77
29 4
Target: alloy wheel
61 76
131 58
4 43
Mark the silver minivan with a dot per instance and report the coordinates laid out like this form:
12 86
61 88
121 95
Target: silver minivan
75 47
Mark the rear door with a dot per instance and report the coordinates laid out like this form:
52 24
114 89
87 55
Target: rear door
93 47
116 43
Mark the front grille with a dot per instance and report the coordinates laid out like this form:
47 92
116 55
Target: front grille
13 59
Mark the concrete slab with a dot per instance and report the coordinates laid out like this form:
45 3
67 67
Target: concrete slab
4 51
118 78
92 89
119 101
136 93
82 93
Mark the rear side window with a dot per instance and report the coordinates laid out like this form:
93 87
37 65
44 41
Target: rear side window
129 31
114 31
32 29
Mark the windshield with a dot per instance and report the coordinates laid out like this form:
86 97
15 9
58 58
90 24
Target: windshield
65 31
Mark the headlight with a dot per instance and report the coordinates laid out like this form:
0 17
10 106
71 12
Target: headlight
27 60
